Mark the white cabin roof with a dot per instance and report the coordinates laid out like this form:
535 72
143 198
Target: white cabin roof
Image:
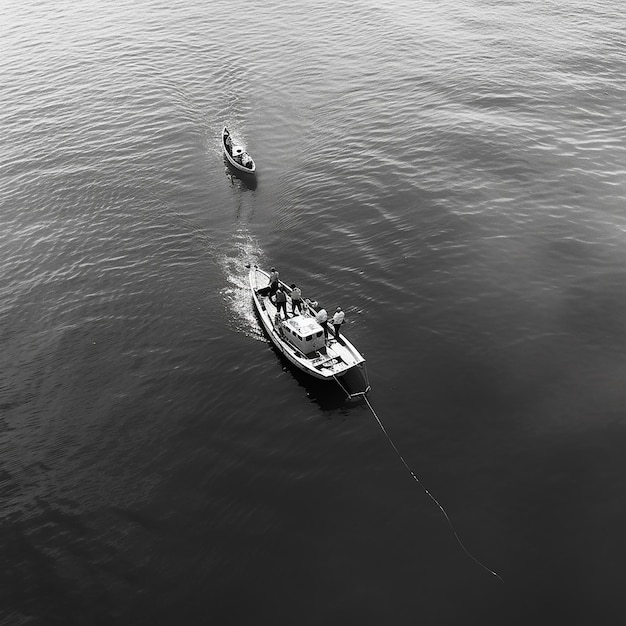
303 326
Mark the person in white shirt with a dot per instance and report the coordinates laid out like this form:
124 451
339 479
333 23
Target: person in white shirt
321 317
338 320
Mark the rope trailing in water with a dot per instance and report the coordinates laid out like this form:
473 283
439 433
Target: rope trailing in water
342 387
430 495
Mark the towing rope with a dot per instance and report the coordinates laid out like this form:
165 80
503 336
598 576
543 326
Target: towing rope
342 387
430 495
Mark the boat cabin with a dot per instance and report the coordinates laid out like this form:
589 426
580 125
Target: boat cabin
304 333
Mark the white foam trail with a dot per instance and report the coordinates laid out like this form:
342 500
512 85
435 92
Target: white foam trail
244 250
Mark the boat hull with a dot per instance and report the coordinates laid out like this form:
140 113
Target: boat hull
238 166
333 361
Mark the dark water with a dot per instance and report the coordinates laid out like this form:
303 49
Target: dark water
452 174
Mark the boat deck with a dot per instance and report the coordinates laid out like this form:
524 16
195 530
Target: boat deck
334 358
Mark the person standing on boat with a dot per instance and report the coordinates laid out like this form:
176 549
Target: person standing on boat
321 317
273 281
272 287
281 302
338 319
296 299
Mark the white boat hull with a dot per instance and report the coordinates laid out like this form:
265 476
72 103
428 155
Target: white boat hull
238 166
334 360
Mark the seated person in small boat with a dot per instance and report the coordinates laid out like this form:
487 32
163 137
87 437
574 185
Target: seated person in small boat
246 160
228 141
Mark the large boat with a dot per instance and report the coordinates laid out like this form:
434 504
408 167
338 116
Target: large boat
236 154
304 342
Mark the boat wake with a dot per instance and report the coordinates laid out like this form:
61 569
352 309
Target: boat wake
236 293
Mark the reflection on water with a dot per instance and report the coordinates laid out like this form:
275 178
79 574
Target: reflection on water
242 180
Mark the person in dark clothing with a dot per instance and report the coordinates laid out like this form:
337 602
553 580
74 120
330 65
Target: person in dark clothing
281 301
296 299
272 287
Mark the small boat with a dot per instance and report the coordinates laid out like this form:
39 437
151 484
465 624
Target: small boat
301 339
236 154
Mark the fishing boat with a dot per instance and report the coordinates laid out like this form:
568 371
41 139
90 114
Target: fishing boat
303 341
236 154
